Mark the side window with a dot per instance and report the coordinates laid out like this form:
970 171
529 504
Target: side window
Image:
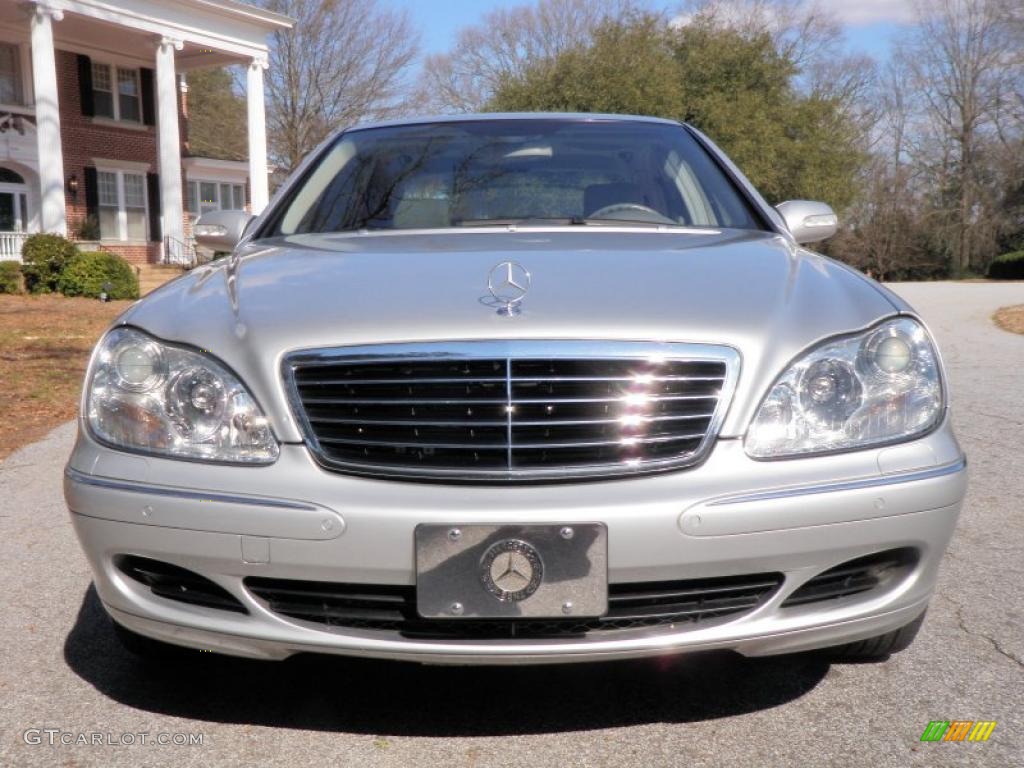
102 91
10 74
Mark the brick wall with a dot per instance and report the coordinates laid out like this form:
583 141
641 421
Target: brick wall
83 139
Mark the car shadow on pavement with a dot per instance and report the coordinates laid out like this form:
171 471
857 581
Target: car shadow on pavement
402 699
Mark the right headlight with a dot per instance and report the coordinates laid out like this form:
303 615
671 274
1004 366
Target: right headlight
880 386
154 397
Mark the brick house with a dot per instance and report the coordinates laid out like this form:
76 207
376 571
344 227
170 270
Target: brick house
93 120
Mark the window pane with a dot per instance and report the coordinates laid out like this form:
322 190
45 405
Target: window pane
108 224
103 104
239 197
191 198
101 77
102 91
134 190
136 224
225 196
107 183
128 93
208 194
10 75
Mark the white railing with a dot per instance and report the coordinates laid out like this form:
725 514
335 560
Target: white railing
10 245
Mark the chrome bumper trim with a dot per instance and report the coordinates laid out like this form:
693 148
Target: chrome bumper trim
180 493
845 485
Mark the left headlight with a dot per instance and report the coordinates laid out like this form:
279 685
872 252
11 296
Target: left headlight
880 386
150 396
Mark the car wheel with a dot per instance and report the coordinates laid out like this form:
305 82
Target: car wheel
146 647
880 647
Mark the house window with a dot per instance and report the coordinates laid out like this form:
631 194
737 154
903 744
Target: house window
128 99
135 205
122 200
10 74
124 103
205 196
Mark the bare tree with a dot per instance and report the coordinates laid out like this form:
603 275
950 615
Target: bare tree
803 32
344 60
960 57
504 43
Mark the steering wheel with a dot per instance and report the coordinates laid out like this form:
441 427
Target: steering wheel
646 213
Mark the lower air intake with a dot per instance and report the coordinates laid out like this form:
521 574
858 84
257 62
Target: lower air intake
630 606
855 577
175 583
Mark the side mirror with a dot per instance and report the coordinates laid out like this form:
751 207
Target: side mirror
809 221
221 230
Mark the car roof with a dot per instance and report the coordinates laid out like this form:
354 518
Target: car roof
493 116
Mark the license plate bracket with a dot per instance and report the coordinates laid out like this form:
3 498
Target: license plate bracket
486 571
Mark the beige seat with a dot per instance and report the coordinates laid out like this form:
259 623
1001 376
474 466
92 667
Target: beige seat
424 205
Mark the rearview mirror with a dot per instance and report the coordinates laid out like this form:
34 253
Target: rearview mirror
221 230
808 221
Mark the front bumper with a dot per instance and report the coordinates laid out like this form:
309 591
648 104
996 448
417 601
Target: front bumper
731 516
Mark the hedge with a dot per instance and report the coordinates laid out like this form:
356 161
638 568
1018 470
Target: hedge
43 259
10 277
1009 266
87 274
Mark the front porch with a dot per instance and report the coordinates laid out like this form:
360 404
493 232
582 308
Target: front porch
90 117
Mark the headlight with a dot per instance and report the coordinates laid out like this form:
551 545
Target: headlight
150 396
877 387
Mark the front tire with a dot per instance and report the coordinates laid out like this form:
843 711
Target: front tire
146 648
878 648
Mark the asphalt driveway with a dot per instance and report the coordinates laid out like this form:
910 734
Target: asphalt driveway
61 667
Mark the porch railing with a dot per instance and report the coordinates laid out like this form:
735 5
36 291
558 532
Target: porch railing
179 253
10 245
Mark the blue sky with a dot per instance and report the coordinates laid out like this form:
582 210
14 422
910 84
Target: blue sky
869 24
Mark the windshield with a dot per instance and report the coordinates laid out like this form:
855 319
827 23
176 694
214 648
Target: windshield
528 171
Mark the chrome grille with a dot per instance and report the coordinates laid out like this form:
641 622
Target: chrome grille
510 410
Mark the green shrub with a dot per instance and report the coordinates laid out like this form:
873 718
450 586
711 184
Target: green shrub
10 277
43 258
87 273
1009 266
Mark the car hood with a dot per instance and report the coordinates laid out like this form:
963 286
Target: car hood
754 291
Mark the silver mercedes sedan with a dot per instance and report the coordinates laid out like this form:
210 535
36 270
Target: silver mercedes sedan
517 389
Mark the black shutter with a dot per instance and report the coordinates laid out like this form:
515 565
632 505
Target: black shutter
85 88
92 195
153 190
148 96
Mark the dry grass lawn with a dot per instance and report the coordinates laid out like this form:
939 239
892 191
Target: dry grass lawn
44 347
1010 318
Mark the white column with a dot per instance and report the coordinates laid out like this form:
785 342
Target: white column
259 189
169 140
53 214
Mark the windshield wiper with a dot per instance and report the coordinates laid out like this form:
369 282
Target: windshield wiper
570 221
512 222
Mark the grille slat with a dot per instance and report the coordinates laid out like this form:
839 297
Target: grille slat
631 606
452 410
